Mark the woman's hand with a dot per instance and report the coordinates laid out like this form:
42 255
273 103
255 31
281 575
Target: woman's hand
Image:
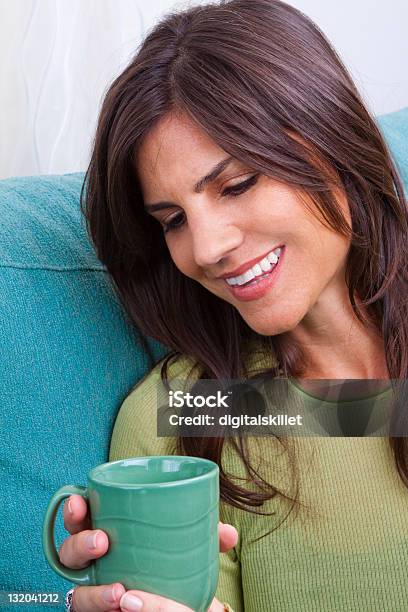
85 544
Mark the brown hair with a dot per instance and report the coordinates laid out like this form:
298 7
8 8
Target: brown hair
252 74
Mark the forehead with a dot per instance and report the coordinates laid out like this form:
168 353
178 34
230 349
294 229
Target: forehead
176 149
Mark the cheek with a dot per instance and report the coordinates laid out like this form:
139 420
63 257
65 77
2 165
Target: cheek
182 257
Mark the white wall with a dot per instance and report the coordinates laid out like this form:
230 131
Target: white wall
57 57
372 39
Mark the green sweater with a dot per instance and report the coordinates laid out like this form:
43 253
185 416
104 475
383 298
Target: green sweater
345 545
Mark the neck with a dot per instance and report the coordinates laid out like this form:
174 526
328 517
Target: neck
336 345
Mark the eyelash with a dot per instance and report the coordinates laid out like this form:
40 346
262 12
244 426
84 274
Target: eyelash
234 191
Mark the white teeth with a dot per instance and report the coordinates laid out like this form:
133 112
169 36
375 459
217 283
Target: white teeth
272 257
247 276
265 265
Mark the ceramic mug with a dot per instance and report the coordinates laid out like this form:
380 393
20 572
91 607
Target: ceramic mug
161 518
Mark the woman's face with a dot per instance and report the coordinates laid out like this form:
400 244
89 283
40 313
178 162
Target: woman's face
226 225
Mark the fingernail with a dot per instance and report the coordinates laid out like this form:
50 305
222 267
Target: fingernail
108 595
70 510
92 541
131 602
112 594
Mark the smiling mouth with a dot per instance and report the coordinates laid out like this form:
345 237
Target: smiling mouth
262 268
257 287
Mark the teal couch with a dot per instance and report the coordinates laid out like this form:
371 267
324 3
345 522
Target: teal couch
69 358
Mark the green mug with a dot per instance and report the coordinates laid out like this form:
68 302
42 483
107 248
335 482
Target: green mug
161 518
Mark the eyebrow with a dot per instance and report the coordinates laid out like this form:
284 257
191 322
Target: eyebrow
198 187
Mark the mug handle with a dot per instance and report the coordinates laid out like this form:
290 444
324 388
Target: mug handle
83 576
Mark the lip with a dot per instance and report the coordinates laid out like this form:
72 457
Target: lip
246 266
258 290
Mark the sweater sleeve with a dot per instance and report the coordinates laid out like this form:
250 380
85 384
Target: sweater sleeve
135 435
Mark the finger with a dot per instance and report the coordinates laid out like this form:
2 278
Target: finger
95 598
79 549
228 536
76 515
147 602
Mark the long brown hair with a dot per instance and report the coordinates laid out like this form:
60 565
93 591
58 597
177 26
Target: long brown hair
253 74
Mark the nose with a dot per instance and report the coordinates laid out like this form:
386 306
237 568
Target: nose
214 237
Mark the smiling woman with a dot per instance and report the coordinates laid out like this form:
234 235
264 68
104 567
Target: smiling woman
227 223
251 218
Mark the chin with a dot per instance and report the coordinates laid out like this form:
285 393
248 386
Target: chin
265 328
273 326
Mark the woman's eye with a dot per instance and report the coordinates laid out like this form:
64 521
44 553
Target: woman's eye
236 190
178 220
174 223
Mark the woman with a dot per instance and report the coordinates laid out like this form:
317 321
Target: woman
251 218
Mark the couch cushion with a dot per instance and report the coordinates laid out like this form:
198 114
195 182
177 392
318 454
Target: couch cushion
395 129
69 358
42 226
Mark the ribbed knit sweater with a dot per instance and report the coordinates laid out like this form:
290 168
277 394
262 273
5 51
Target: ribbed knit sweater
343 547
